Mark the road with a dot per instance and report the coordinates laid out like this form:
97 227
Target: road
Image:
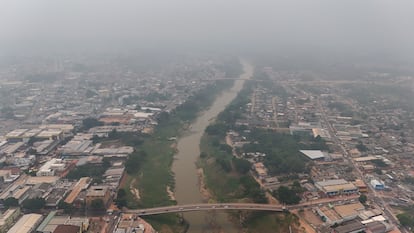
234 206
373 193
274 104
204 207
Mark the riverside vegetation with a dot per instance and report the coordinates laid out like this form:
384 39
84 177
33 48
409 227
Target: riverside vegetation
149 166
228 179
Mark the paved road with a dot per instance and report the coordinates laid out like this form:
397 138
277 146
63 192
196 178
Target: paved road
373 193
204 207
234 206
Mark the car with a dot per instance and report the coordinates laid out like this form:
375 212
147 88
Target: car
181 208
213 207
226 206
198 207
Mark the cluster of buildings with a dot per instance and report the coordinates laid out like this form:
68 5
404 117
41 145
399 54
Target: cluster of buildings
363 155
353 217
46 148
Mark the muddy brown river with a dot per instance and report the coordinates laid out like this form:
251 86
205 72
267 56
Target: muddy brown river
186 178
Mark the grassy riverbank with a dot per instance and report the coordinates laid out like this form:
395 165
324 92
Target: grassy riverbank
153 175
228 179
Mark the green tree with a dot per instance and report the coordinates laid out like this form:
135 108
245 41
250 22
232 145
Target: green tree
134 162
34 204
361 147
67 208
225 164
163 117
11 202
113 134
242 166
203 155
286 195
121 198
406 219
363 198
87 170
91 122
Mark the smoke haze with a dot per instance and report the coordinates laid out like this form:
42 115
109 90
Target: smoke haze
380 27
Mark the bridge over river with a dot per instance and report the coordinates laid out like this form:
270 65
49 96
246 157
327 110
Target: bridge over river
204 207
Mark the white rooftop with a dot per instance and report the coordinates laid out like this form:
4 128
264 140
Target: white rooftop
313 154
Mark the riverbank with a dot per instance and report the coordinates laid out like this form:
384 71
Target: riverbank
226 178
187 185
153 183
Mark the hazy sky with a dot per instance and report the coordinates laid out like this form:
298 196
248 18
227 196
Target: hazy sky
349 25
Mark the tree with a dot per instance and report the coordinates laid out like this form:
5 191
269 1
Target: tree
361 147
363 199
95 138
97 204
134 161
379 163
241 165
163 117
11 202
287 195
219 129
67 208
224 163
258 196
121 198
34 204
91 122
406 219
113 134
203 155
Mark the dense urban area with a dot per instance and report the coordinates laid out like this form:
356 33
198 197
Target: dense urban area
87 145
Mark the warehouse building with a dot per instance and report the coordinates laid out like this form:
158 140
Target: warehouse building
336 187
378 185
26 224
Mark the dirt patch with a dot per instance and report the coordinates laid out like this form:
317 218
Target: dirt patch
166 229
170 193
134 190
310 217
303 221
123 180
205 193
174 147
228 141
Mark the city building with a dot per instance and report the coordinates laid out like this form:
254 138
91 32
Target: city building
51 167
53 222
362 187
336 187
314 154
98 192
7 219
26 224
130 223
376 184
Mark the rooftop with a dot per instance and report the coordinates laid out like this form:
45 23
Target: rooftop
82 184
349 210
26 223
313 154
331 182
97 191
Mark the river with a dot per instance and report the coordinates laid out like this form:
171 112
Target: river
184 167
